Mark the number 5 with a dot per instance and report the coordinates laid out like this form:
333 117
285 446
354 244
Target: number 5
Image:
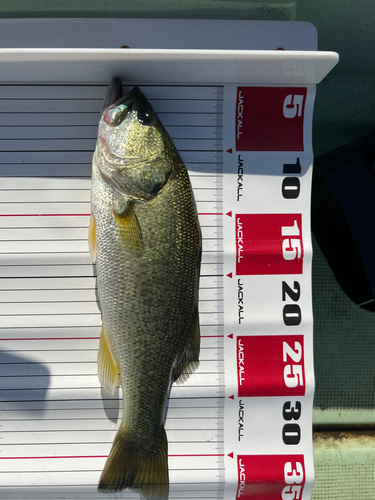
293 375
292 248
293 106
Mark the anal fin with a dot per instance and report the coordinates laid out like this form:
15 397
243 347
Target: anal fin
128 225
189 360
92 239
107 367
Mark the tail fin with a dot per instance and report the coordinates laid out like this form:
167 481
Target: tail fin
127 466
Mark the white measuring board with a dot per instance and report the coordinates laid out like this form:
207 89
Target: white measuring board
227 426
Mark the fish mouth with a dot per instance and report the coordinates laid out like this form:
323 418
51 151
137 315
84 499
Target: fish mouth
116 113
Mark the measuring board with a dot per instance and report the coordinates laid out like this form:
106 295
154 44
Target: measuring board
240 427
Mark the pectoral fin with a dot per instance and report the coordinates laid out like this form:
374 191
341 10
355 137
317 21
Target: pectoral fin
189 361
128 226
92 239
107 367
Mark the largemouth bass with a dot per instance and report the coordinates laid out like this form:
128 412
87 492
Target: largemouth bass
145 239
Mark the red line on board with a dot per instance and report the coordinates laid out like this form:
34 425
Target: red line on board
99 456
87 338
44 458
200 455
55 338
78 215
44 215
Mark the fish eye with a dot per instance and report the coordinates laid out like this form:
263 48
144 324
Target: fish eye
145 116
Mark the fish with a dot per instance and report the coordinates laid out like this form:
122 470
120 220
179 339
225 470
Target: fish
145 241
